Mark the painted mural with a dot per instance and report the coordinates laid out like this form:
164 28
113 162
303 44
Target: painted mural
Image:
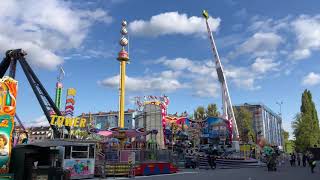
8 94
79 167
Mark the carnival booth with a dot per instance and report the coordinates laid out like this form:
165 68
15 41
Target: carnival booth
73 157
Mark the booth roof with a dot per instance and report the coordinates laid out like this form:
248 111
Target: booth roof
61 142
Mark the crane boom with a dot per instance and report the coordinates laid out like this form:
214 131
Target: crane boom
226 100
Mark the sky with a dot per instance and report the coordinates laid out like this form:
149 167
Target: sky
269 50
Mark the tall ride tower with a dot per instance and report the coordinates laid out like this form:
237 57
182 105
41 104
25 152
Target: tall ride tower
123 57
226 100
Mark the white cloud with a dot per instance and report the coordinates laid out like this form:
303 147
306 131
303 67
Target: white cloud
40 121
307 30
242 77
299 54
160 83
205 87
172 23
311 79
43 28
178 63
260 44
264 65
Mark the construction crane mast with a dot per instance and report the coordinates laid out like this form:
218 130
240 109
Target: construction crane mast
226 100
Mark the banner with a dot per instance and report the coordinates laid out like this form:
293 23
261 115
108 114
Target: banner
8 94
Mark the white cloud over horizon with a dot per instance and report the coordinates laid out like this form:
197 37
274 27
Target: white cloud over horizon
172 23
43 28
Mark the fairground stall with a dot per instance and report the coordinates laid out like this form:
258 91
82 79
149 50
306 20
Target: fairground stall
75 158
125 152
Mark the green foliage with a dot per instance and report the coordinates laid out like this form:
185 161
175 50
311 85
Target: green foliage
200 113
212 110
285 135
287 144
306 124
245 124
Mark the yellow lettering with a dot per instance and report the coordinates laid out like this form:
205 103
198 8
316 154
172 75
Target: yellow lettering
60 121
68 122
82 123
53 118
76 122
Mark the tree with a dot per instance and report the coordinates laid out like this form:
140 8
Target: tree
285 136
245 124
306 124
200 113
212 110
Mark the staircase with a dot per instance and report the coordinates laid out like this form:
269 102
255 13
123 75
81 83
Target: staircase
231 163
203 162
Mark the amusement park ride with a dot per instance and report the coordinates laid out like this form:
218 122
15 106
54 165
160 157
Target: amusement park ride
228 113
45 101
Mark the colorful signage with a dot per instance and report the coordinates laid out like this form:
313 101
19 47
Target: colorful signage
8 94
67 121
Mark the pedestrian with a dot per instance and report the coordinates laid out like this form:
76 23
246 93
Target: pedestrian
298 158
293 159
304 160
312 162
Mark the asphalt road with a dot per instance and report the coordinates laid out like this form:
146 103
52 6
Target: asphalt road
283 173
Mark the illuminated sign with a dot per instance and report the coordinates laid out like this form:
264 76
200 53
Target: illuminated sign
8 93
68 121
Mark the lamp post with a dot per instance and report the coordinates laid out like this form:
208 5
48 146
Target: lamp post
280 104
282 138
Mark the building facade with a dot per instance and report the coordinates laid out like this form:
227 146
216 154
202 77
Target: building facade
38 134
151 119
105 120
266 123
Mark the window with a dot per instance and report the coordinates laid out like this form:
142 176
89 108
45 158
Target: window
91 151
67 152
79 148
80 154
80 151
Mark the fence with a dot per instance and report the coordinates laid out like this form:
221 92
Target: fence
122 156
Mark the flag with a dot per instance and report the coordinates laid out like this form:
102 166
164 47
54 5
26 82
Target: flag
71 92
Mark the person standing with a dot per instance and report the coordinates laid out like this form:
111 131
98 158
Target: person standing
304 160
293 159
298 158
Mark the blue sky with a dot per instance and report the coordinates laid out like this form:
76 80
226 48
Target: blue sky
269 50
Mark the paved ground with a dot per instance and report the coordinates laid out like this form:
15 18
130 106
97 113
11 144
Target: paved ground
283 173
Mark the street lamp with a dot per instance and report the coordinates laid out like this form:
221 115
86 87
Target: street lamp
282 138
280 104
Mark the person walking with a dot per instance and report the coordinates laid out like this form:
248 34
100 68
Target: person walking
293 160
304 160
298 158
312 162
